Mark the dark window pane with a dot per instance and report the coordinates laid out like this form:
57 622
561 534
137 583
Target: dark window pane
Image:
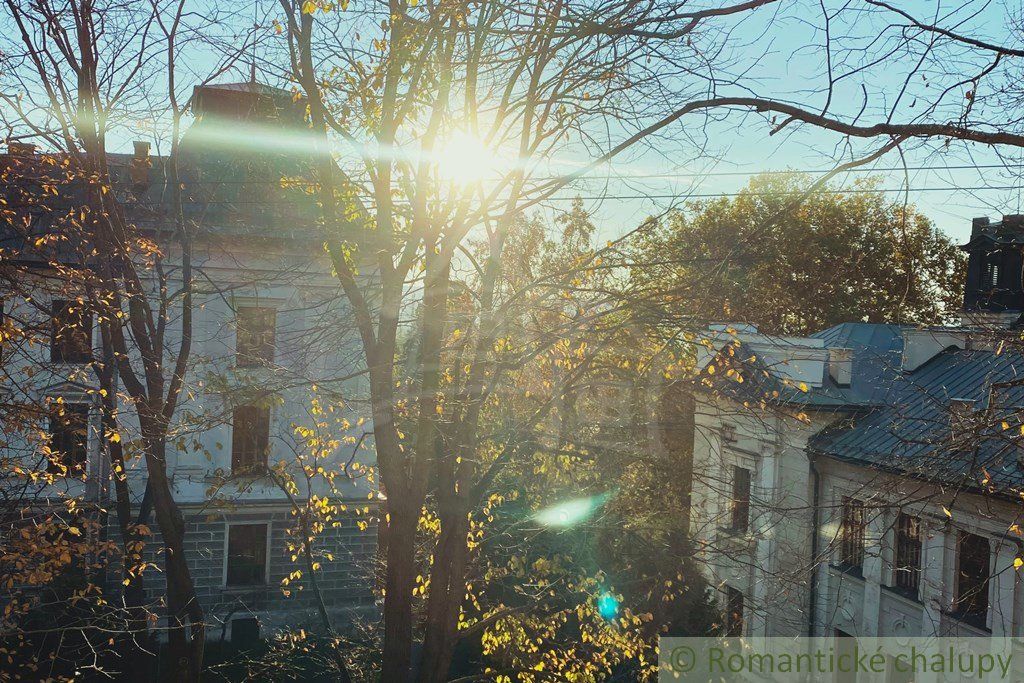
250 439
247 554
740 498
907 567
972 579
69 437
733 612
846 658
70 332
852 533
255 326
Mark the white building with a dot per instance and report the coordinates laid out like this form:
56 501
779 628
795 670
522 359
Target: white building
269 326
867 480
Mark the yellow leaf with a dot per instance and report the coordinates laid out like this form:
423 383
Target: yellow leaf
948 513
1018 563
803 387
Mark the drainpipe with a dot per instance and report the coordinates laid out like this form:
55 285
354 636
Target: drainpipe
815 523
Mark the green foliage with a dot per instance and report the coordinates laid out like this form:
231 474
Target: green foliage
796 267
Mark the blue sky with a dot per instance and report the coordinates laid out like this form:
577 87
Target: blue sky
763 45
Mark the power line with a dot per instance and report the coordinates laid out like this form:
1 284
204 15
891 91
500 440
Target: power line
670 174
717 174
702 195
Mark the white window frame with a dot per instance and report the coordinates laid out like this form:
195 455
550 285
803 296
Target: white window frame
227 538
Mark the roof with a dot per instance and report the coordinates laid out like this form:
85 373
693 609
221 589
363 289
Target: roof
925 424
876 354
956 419
244 172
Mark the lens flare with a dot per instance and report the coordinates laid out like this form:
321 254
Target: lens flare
570 512
607 606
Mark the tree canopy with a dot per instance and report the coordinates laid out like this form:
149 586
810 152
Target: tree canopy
796 267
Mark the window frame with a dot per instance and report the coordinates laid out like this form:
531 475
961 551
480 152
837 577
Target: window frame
959 612
735 628
228 524
850 561
260 462
59 346
739 501
256 353
908 552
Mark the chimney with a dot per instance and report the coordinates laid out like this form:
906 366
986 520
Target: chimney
1013 221
139 167
979 225
961 412
21 149
840 366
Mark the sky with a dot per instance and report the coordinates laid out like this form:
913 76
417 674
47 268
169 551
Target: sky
949 185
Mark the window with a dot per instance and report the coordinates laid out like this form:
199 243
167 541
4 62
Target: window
852 535
907 566
972 577
990 273
733 612
740 498
70 332
250 439
247 555
254 343
846 657
69 438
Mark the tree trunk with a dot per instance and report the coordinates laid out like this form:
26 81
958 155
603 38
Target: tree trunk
400 580
186 630
447 591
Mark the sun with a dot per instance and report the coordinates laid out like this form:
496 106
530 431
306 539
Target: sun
464 159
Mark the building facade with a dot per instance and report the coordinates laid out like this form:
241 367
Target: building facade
866 480
271 346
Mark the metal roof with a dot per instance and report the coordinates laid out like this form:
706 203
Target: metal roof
954 420
934 423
